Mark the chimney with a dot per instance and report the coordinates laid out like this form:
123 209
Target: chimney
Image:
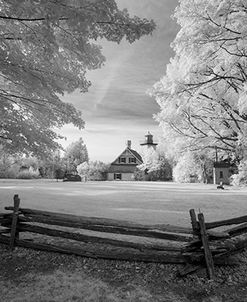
129 144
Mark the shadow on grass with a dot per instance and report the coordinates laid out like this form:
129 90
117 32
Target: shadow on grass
65 287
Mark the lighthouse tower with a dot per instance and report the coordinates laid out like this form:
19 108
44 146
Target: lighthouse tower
148 143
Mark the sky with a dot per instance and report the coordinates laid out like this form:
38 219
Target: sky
117 107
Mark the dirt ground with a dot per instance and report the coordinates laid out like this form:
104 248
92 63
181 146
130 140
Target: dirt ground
27 275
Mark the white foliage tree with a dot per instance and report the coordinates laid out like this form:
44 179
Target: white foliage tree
156 165
203 96
187 169
150 158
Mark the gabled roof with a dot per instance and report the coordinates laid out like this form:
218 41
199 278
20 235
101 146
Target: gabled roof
133 152
136 154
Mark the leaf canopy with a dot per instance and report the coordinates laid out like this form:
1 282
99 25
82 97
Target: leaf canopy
203 94
46 49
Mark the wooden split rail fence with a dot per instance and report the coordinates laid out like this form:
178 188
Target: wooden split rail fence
196 247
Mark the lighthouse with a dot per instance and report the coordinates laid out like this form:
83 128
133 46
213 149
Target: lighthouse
149 154
149 143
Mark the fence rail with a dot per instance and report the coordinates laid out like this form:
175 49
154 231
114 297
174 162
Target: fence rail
197 247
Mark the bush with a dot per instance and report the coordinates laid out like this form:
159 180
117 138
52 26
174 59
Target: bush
11 172
94 170
28 174
139 175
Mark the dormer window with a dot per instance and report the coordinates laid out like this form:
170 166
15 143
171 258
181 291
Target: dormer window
132 160
122 160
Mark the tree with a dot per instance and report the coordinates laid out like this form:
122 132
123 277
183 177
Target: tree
193 167
46 49
155 165
203 94
52 166
187 169
163 171
9 165
75 154
150 158
240 176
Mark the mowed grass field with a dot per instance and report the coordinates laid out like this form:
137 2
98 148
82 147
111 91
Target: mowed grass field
143 202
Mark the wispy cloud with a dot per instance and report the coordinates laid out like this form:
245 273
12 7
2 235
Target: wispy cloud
110 74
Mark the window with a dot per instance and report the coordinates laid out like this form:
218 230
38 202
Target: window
122 160
221 174
117 176
132 160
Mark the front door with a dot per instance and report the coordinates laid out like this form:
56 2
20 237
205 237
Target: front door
117 176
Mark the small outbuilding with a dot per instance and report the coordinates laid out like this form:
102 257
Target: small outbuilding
222 173
123 167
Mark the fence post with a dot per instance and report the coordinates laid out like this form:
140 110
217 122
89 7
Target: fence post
207 252
14 233
194 222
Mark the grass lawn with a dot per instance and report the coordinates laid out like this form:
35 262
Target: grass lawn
144 202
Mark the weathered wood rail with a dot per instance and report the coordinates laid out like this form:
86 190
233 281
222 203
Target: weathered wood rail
197 247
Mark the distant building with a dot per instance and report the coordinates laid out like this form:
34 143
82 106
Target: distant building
223 169
222 173
124 165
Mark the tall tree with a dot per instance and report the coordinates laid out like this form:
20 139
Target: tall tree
76 154
203 94
46 48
